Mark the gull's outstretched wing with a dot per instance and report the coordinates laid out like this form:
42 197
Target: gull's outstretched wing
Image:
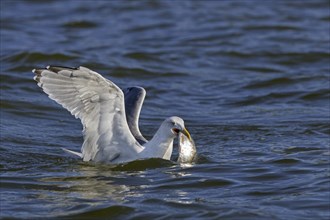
134 97
99 104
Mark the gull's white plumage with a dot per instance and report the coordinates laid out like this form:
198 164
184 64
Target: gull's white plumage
99 104
134 97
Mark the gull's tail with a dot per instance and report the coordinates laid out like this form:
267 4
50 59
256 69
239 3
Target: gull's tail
73 152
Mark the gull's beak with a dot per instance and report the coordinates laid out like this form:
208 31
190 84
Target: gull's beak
186 132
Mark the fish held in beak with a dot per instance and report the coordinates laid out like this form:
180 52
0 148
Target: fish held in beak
187 148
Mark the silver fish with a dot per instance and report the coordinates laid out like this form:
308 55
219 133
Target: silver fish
187 149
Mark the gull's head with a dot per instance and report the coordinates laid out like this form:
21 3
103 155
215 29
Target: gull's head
176 126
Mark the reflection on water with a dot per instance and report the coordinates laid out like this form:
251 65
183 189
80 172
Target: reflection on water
87 187
92 187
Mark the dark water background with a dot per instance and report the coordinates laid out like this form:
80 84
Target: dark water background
250 78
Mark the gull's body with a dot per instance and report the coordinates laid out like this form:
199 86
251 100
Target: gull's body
134 97
99 104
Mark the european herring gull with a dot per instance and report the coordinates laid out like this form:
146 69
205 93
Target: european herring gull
100 105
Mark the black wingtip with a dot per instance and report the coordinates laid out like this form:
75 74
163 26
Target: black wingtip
54 69
57 69
38 72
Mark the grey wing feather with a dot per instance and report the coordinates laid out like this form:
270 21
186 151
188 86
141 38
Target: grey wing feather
134 97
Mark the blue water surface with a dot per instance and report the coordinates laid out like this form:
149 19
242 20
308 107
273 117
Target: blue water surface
250 79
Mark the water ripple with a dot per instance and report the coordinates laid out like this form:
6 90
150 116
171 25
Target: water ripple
31 57
250 78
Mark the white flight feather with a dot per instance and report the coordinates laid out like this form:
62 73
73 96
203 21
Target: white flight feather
94 100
